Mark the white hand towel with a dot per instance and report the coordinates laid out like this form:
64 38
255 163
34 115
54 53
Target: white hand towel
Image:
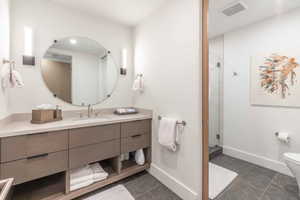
138 84
140 157
81 175
167 133
10 78
5 77
17 79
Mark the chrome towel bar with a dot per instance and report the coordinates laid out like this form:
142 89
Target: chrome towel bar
183 123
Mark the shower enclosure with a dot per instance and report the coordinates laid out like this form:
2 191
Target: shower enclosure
216 54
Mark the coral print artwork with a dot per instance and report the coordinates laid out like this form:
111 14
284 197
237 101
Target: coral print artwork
274 80
278 74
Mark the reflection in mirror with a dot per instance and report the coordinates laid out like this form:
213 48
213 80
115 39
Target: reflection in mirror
79 71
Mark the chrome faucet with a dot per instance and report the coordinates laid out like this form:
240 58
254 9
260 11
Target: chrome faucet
90 110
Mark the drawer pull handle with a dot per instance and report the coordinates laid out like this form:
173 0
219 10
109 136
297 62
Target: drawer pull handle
135 136
37 156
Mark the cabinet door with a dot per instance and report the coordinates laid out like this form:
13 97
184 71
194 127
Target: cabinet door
19 147
35 167
134 143
92 135
81 156
135 128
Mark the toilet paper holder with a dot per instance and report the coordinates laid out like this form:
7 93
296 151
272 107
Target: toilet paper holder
287 139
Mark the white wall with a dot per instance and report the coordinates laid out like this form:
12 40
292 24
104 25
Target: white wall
167 53
249 130
49 22
4 51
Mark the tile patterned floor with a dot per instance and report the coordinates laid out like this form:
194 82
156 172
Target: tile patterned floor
256 183
143 186
253 183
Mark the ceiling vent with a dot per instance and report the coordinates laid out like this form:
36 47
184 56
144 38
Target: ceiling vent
235 8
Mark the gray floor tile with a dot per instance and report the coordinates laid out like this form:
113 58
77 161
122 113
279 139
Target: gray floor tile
286 183
140 185
259 177
256 183
240 190
159 193
239 166
143 186
275 192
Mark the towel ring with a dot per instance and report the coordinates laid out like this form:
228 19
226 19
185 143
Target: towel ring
5 61
183 123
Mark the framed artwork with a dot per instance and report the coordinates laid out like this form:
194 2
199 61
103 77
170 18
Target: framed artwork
275 79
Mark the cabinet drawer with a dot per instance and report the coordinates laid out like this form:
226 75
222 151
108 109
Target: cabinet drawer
35 167
81 156
14 148
134 143
135 128
93 135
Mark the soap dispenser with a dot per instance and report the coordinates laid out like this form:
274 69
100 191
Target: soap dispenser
58 113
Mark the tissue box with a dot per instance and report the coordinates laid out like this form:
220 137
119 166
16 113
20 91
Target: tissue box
43 116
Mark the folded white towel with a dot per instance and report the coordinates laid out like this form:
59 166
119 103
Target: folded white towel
138 84
81 175
98 172
167 133
87 175
46 107
81 185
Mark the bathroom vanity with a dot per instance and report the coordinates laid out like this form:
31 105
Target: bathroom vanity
40 157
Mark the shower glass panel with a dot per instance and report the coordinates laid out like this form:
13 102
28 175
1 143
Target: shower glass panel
215 91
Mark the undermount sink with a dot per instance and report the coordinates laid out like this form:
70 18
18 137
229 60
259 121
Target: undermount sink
93 118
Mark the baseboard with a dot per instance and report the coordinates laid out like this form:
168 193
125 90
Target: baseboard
258 160
172 183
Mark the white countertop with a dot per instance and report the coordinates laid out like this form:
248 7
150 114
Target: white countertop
18 127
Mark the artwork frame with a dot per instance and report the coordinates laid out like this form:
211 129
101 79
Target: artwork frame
275 79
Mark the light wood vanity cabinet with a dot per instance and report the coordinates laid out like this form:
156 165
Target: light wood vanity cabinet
30 157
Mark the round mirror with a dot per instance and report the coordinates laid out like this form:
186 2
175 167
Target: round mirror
79 71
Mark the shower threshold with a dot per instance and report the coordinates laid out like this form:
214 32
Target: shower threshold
215 151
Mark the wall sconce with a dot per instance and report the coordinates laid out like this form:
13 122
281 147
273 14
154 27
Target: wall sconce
123 69
28 58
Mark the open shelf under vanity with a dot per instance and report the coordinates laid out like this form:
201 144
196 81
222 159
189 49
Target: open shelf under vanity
49 187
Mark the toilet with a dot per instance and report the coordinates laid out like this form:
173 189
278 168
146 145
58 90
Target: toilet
293 162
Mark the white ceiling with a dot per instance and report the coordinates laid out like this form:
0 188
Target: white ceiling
127 12
257 10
